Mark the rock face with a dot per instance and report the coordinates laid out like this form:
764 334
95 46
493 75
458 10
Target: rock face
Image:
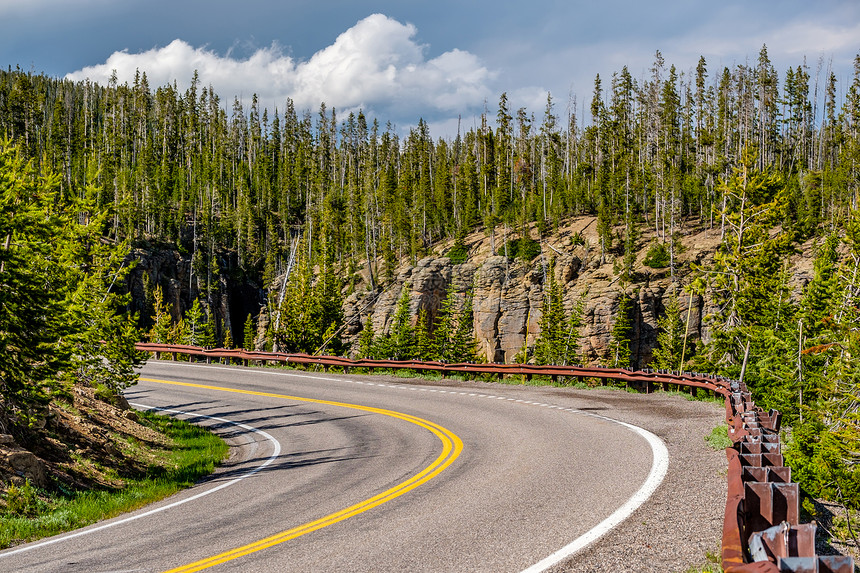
508 296
231 300
20 465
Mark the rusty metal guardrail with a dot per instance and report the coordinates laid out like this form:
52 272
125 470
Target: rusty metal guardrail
762 532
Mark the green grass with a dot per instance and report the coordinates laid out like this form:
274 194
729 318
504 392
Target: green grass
712 565
719 437
33 514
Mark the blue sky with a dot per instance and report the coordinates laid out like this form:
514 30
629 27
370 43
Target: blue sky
401 60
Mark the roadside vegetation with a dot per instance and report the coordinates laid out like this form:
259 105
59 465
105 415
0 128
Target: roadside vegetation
71 450
170 456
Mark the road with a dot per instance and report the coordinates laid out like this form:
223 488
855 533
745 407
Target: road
360 473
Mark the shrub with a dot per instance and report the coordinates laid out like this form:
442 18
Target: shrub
21 500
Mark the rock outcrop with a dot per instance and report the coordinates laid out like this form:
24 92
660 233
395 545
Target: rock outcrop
20 465
231 298
507 294
508 298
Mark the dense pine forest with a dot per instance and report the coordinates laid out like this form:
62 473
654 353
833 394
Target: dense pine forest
770 158
187 169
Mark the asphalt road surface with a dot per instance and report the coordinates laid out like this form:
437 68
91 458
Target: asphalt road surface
360 473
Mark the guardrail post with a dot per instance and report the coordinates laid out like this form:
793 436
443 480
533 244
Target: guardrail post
769 504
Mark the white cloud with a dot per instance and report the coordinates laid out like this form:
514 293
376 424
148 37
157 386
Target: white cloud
375 65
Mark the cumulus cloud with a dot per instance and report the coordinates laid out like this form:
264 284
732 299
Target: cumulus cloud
376 65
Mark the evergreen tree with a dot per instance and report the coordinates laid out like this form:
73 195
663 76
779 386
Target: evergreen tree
749 285
670 339
162 321
620 335
311 312
556 342
248 334
194 325
328 302
366 340
443 331
401 335
207 333
423 341
227 344
463 343
56 304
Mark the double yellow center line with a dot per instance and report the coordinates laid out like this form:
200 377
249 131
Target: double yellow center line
451 448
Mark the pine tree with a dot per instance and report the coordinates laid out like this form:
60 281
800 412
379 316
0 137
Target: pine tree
401 335
227 344
821 296
423 340
749 285
207 332
328 302
56 304
670 340
366 340
443 331
162 321
620 335
194 325
248 334
551 346
463 343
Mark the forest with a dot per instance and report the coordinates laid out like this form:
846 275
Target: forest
770 159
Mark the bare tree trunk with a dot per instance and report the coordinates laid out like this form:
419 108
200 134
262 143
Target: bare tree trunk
746 357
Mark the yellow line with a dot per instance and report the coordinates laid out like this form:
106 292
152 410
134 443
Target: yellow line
451 448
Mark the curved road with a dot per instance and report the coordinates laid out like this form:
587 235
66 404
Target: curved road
358 473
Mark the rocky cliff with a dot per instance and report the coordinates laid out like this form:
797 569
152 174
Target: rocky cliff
508 294
231 297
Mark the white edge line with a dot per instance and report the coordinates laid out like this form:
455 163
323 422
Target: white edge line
81 532
659 467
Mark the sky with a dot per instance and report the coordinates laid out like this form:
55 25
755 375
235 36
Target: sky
444 61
